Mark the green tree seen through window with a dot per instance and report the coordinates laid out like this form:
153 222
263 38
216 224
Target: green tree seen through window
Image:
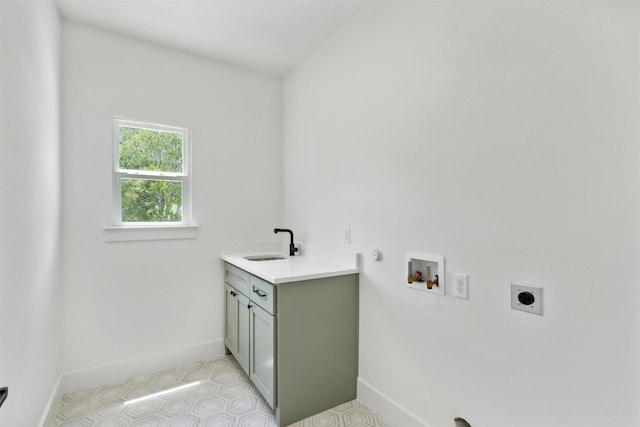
144 199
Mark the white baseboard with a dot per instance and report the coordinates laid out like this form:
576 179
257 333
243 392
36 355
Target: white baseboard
52 406
391 412
119 371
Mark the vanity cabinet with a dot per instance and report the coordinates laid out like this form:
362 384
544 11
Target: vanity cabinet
299 345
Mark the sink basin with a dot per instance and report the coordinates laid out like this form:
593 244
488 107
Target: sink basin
263 257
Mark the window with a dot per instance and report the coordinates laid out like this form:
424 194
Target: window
151 174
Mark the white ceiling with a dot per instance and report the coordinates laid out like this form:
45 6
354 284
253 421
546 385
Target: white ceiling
270 36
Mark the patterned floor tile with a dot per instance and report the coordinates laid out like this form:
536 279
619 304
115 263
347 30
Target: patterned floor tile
349 414
224 397
113 422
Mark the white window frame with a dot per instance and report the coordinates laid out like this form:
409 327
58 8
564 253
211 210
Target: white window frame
119 174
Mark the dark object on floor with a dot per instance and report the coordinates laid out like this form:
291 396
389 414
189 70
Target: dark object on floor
4 392
461 422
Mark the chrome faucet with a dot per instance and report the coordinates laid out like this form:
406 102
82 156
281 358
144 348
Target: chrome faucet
292 248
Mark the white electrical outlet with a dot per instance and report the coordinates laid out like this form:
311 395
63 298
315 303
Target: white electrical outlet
461 285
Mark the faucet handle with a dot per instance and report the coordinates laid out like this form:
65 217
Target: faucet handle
292 249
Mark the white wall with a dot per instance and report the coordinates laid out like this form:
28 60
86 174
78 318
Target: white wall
503 136
29 208
137 300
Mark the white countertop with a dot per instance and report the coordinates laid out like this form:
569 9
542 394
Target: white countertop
290 269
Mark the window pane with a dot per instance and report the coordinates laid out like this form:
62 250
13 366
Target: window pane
150 149
151 200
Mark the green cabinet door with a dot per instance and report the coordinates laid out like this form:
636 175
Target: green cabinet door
242 356
236 334
262 363
231 324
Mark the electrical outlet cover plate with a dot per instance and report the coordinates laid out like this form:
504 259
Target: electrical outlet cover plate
461 285
526 298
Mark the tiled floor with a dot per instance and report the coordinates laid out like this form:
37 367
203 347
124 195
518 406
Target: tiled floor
224 397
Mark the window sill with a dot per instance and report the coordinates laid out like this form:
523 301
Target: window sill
136 233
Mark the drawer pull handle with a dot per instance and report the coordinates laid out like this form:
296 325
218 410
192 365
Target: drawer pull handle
249 306
260 294
233 294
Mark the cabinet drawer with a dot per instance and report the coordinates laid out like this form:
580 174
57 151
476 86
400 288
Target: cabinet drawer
262 293
237 278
